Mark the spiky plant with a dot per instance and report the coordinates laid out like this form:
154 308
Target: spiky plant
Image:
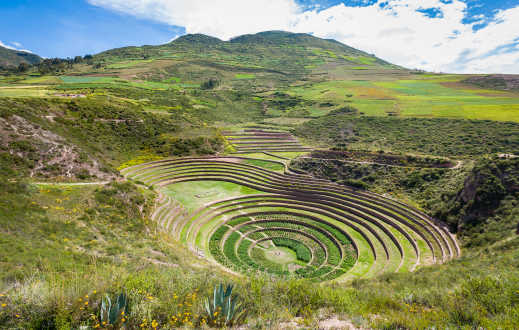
224 309
111 313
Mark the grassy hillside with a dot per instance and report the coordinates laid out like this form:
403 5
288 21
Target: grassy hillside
13 58
327 185
280 75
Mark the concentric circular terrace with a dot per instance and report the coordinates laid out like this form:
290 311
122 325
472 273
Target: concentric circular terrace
286 223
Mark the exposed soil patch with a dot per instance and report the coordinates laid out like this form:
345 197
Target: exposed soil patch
72 96
332 323
231 160
47 154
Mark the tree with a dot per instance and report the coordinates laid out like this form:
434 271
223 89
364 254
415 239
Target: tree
23 67
210 84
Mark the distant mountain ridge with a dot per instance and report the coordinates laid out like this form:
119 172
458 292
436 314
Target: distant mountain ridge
13 58
274 50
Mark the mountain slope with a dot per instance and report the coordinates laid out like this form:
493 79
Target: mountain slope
9 57
290 53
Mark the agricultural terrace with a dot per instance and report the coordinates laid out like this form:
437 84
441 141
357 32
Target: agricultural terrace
257 215
252 140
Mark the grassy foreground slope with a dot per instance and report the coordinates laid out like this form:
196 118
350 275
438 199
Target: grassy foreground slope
64 246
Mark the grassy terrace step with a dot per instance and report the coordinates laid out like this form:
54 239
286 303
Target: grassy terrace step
359 264
213 172
388 235
221 217
393 238
333 246
277 143
270 147
248 151
258 140
367 233
365 244
262 138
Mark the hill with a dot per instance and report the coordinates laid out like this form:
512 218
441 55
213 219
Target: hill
331 188
261 50
10 58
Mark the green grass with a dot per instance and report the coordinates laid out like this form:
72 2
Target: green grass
281 255
24 92
302 252
128 64
195 194
413 98
43 80
271 166
86 79
244 76
60 243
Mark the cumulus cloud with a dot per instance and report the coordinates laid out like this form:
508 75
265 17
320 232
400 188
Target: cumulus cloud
427 34
6 46
14 46
223 18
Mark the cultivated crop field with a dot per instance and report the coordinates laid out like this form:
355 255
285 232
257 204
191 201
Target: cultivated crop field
429 96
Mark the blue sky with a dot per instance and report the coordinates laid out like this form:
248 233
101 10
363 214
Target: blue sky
437 35
65 28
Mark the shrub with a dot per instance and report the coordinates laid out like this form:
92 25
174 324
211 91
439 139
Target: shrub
224 309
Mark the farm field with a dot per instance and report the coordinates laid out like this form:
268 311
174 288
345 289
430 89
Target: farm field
426 97
321 181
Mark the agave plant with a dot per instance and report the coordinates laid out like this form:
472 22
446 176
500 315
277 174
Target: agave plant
111 313
224 309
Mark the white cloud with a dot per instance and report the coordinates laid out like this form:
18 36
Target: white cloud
7 46
15 46
397 33
223 18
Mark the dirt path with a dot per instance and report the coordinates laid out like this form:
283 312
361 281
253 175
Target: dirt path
459 164
23 86
72 183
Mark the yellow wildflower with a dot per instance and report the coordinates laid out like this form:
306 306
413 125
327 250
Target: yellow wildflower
3 305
